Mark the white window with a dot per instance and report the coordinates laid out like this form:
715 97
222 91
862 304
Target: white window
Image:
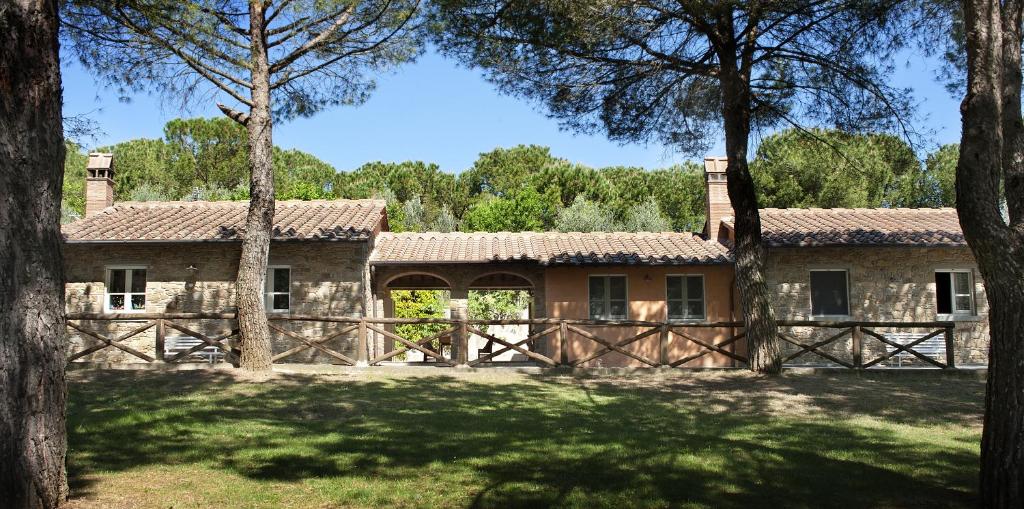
685 297
125 290
607 297
830 293
954 292
277 287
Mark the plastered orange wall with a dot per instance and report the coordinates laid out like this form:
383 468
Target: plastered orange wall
566 297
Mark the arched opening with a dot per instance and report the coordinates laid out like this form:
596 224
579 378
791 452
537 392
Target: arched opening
418 295
418 281
501 281
500 296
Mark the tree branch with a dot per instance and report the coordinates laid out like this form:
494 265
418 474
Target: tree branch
226 21
315 42
233 114
327 63
212 50
279 10
203 70
852 76
299 25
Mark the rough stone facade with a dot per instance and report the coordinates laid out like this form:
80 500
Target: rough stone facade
885 284
327 279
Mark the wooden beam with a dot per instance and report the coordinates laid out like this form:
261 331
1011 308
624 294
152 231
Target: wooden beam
161 334
908 347
307 346
533 355
532 337
533 321
794 341
609 347
709 348
114 317
111 342
563 343
461 345
857 347
663 337
813 347
413 346
362 355
400 351
214 341
950 348
105 342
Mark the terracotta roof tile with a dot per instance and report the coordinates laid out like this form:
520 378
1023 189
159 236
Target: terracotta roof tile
548 248
224 220
860 227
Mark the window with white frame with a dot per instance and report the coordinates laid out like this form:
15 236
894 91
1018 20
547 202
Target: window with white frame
830 292
607 297
125 290
685 297
954 292
277 287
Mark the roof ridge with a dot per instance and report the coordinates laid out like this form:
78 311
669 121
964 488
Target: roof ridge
548 248
798 210
878 226
462 234
155 221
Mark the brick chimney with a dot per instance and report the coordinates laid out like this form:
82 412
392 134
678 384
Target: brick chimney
717 200
99 183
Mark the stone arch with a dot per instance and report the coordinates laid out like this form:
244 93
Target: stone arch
502 279
411 278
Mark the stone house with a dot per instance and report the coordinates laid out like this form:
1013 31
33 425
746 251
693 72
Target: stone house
337 259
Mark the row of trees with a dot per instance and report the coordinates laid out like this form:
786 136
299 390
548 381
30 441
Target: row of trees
830 168
526 187
197 159
520 188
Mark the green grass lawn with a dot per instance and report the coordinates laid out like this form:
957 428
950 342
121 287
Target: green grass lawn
437 439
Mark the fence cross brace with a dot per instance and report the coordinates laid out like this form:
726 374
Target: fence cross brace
314 343
114 342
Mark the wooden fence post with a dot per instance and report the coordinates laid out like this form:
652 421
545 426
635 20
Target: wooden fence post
663 346
950 348
563 343
462 353
361 353
161 334
857 347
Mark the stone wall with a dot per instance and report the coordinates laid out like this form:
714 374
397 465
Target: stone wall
326 279
885 284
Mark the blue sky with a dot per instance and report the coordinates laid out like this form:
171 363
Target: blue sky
436 111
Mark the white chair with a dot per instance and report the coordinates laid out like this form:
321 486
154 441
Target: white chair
934 347
174 345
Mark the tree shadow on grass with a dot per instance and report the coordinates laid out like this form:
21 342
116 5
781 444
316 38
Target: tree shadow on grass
929 398
527 442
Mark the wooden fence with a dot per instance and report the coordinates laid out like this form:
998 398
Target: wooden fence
557 331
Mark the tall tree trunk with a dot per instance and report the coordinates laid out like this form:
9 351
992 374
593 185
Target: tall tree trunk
33 352
758 314
991 152
252 268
